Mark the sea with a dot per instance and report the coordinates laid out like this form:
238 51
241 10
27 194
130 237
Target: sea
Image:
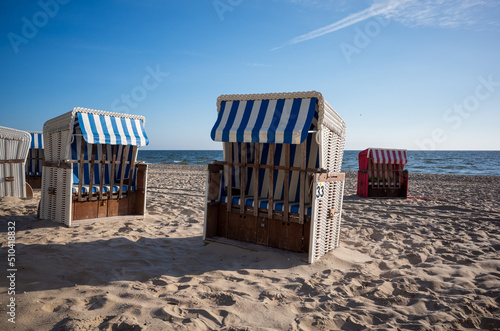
485 163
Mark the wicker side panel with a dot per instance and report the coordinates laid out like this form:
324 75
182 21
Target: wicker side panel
332 150
327 210
56 145
56 197
56 182
325 234
12 177
12 180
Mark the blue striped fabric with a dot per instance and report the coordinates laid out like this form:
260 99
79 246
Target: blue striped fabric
103 129
264 121
36 140
75 155
33 162
312 160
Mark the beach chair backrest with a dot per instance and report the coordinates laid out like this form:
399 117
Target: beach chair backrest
34 162
14 147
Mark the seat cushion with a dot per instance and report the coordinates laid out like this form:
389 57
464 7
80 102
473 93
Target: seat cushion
105 188
263 203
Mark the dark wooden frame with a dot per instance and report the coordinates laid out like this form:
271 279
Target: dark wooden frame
268 227
95 205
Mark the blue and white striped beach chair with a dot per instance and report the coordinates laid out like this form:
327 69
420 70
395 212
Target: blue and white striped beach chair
280 183
34 162
90 169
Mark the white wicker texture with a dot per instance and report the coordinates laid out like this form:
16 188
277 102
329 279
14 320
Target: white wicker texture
325 232
14 147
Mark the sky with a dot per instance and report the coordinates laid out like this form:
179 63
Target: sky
401 73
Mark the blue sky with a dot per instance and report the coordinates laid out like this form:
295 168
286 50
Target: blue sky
402 73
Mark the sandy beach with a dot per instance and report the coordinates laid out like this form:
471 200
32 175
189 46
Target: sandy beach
430 262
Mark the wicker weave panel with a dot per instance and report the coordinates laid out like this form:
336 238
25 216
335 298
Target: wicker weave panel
14 145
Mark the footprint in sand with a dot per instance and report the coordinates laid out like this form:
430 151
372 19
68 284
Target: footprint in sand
97 302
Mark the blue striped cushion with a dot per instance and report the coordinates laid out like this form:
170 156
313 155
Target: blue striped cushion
105 188
263 203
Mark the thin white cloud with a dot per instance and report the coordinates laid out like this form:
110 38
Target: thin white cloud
445 13
384 8
440 13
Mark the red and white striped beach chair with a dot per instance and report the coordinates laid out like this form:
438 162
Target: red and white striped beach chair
90 170
280 183
381 173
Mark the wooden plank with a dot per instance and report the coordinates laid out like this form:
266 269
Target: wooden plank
91 169
229 147
247 228
12 161
83 210
102 209
270 206
302 188
132 168
243 177
286 195
222 221
123 206
211 221
103 168
114 149
233 220
112 207
331 177
142 169
62 165
80 172
214 182
122 174
256 180
275 167
286 235
262 231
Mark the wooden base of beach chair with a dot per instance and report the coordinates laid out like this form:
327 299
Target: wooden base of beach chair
131 205
34 181
261 230
386 192
390 189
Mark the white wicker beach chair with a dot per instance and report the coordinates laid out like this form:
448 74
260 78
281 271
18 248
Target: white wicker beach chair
34 162
90 170
14 146
280 183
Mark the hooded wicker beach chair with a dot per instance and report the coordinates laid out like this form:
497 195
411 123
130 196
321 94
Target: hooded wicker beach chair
280 183
34 162
14 146
90 170
381 173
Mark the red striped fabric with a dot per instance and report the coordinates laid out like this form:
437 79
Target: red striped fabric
388 156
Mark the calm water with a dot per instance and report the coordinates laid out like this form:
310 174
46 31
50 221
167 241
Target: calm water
432 162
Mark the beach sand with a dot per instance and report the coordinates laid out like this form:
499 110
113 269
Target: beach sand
428 262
